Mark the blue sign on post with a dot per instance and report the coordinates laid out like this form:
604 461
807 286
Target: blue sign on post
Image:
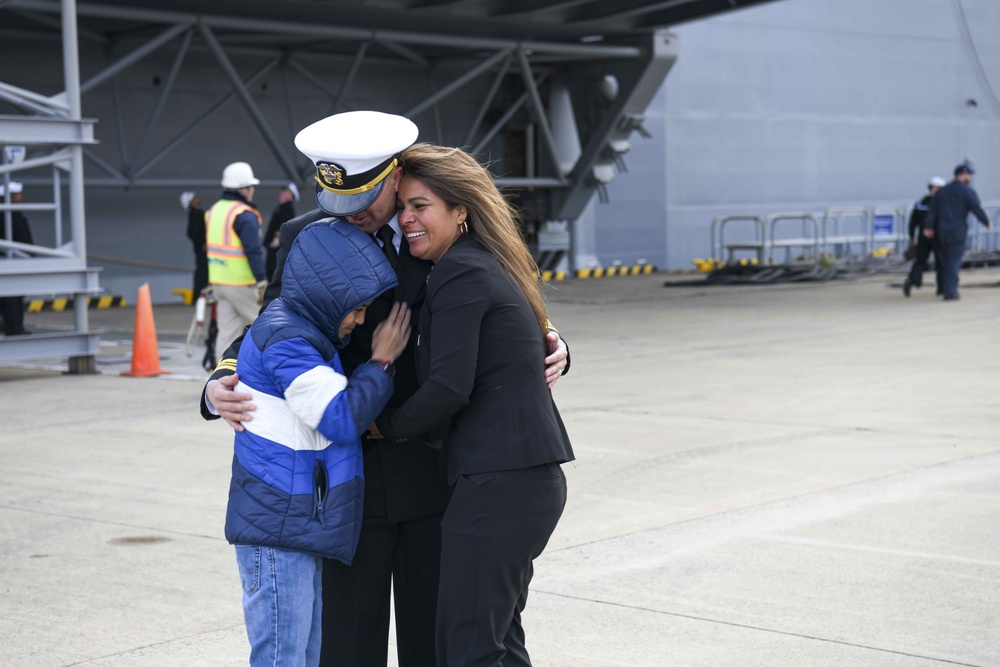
883 224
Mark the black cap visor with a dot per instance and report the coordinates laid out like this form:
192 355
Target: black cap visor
345 205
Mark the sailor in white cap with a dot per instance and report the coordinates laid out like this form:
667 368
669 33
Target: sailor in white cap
921 244
357 161
12 307
282 213
354 154
15 189
236 268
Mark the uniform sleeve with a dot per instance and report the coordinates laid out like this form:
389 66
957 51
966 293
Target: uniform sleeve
225 367
457 306
287 234
248 227
273 291
976 207
274 224
322 398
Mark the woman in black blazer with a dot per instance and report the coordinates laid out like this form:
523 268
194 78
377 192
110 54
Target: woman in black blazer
480 361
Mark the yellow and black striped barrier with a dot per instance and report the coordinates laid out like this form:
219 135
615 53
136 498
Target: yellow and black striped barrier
618 270
59 305
549 276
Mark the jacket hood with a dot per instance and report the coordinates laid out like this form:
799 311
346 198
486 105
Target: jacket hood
331 269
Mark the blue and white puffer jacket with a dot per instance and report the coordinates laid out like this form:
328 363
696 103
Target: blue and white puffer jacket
298 480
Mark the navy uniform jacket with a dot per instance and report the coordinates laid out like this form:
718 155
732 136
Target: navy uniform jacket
481 364
918 216
949 210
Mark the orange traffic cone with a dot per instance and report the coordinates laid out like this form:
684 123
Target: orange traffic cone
145 351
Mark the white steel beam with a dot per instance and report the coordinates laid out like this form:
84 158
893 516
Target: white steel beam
488 100
176 141
164 96
248 102
457 83
131 58
577 51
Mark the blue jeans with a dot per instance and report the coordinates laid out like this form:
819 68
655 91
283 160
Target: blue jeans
282 605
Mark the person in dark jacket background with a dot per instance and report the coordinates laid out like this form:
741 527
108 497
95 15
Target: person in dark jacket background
12 307
191 202
922 242
297 488
947 220
283 212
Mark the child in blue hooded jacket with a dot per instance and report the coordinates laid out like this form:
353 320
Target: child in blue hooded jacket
298 484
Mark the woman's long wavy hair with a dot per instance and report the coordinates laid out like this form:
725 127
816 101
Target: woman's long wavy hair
458 178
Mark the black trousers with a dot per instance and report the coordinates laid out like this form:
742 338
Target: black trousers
926 247
403 557
200 281
12 308
950 251
496 524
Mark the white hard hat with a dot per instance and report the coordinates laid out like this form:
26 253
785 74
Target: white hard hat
353 153
238 175
937 182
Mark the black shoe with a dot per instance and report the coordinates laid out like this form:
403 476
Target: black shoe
953 297
906 288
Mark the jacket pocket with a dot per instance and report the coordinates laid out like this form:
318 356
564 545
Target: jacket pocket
319 490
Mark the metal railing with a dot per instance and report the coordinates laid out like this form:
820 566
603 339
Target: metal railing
759 245
835 238
814 241
874 228
982 239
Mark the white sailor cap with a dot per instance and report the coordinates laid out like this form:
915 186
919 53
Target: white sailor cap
937 182
294 189
186 198
353 153
15 187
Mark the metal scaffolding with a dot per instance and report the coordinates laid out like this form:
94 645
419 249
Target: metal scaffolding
29 269
637 62
603 61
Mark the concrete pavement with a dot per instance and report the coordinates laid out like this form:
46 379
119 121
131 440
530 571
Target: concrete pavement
777 475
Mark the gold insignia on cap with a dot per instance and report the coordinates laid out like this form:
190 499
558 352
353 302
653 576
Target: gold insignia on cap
333 178
330 175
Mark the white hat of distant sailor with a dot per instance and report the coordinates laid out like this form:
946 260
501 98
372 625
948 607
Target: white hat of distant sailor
937 182
15 187
353 153
294 189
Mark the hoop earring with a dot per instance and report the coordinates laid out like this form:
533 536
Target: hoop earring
464 227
